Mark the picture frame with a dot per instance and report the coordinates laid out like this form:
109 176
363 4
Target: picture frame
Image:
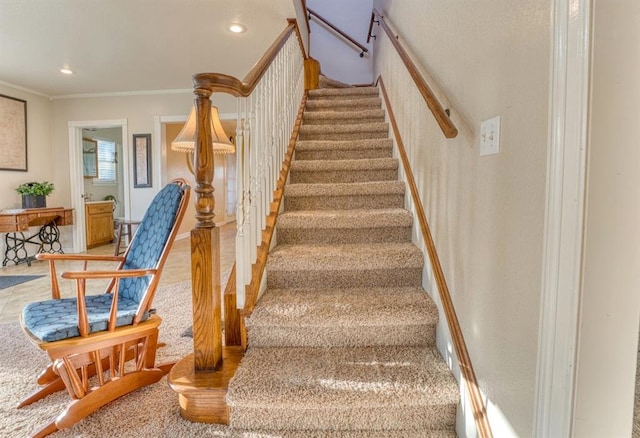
142 160
13 133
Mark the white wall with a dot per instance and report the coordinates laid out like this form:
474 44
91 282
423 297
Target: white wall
608 342
486 213
338 58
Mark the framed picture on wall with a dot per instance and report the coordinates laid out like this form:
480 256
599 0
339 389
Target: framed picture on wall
141 160
13 133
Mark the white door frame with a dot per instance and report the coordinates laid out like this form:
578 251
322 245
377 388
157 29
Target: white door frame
564 218
77 178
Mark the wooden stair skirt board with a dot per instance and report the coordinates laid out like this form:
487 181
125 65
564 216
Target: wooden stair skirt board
342 342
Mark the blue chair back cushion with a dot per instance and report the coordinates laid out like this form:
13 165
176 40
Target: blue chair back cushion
149 240
53 320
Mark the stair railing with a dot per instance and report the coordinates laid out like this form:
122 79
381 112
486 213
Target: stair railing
267 102
437 109
335 28
268 99
442 117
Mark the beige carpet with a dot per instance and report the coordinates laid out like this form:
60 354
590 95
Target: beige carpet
150 412
342 341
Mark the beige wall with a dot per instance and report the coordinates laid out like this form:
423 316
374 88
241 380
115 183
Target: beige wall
40 151
486 213
608 341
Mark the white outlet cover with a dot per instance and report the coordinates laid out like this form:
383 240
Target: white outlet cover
490 136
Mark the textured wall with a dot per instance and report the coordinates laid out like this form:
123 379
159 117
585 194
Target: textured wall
486 213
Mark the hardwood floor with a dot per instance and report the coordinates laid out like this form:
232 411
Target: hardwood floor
177 269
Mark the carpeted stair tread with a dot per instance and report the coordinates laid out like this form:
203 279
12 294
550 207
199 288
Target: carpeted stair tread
346 149
327 82
351 165
328 219
346 189
344 196
345 226
354 317
353 131
343 434
351 91
351 265
344 257
344 171
362 388
342 117
345 102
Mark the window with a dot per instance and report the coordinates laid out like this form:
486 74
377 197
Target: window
107 160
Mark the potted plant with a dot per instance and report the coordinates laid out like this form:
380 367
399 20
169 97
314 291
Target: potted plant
34 193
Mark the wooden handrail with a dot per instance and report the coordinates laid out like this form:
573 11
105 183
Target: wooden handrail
439 113
340 32
222 83
464 361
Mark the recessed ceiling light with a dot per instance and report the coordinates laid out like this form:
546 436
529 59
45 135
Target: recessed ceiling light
66 71
237 28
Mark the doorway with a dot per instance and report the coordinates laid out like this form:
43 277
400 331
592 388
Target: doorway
80 190
174 165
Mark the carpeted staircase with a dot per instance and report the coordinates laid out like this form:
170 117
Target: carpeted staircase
342 342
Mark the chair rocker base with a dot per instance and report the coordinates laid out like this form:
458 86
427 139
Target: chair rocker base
120 362
81 408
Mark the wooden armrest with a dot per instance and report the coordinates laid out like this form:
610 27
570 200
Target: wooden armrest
80 257
122 273
82 276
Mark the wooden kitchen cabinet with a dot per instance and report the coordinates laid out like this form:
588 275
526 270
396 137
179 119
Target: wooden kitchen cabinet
99 223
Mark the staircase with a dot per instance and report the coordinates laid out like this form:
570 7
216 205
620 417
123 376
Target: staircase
342 342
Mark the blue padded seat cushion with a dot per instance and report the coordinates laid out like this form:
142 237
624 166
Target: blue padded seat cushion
53 320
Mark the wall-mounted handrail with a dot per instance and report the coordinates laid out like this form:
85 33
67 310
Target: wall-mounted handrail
362 48
464 361
439 112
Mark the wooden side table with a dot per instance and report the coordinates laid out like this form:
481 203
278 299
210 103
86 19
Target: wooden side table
15 222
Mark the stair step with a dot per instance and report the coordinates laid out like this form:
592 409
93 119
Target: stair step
359 131
328 93
344 196
343 150
279 433
355 317
345 226
342 117
344 171
343 266
369 388
327 82
344 103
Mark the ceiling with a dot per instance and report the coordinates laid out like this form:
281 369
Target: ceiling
116 46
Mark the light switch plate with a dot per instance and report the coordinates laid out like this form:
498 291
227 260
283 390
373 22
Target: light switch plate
490 136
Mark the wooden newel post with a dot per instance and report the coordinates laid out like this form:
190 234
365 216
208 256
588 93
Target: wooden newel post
205 247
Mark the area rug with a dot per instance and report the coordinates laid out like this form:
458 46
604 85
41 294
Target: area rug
150 412
6 281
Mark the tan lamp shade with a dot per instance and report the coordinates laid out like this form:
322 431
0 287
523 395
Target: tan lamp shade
185 141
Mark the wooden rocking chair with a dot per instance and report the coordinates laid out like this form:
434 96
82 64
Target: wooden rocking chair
104 346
